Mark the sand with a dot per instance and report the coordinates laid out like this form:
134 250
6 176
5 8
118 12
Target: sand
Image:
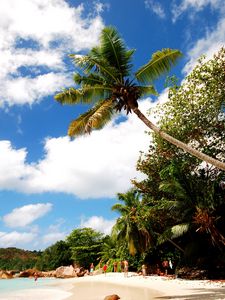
152 287
131 288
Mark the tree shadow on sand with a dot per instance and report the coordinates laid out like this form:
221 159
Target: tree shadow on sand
200 294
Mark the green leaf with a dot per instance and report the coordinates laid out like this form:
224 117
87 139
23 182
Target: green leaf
94 63
147 90
160 63
173 232
114 51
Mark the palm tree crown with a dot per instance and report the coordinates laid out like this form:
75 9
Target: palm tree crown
131 227
106 81
108 85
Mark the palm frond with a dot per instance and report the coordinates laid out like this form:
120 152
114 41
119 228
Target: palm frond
173 232
95 118
91 79
166 204
69 96
173 187
92 63
119 208
147 90
93 87
114 51
94 93
160 63
179 230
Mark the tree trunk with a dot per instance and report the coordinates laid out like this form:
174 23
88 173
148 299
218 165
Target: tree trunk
212 161
175 245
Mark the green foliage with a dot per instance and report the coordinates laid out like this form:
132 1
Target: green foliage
160 63
17 259
55 256
186 200
195 111
85 245
131 226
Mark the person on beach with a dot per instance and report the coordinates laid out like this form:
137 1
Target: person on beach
165 265
144 270
158 270
105 268
126 266
91 269
122 266
35 276
115 264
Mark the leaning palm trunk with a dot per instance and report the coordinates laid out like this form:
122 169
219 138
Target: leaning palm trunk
172 140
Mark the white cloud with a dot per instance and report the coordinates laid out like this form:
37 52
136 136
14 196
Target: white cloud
16 239
25 215
38 35
52 237
98 223
54 233
24 90
193 6
208 46
156 8
12 165
93 166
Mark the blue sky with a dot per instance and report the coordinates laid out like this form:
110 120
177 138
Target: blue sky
50 185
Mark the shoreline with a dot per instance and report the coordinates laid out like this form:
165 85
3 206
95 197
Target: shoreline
133 287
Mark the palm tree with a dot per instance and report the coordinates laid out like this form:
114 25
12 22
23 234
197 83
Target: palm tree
197 203
130 226
108 85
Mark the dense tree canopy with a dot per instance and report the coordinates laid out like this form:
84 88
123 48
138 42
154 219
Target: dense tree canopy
187 197
85 245
59 254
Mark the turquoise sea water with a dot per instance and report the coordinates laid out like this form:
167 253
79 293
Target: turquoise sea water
15 284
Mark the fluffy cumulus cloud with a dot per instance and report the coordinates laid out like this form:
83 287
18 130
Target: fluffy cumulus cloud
93 166
12 165
25 215
35 38
16 239
156 8
98 223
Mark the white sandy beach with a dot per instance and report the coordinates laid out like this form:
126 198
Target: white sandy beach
152 287
132 288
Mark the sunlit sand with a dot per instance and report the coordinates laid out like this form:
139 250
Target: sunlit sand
132 287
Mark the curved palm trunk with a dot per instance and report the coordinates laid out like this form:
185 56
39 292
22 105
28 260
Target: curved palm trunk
172 140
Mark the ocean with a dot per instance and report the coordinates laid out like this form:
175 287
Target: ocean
16 284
